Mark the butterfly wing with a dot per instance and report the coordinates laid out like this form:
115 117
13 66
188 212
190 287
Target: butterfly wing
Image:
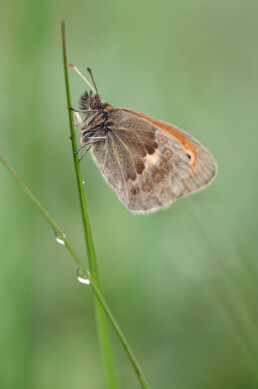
148 166
202 165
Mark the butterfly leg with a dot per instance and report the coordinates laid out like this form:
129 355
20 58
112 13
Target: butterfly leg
89 144
77 119
85 152
81 147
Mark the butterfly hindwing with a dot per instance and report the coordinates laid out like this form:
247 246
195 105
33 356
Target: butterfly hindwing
203 167
147 167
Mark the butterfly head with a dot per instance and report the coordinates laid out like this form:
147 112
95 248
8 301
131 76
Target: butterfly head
90 101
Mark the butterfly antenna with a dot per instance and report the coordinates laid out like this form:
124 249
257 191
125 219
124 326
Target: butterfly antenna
82 76
89 70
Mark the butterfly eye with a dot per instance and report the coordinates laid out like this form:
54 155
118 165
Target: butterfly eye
94 104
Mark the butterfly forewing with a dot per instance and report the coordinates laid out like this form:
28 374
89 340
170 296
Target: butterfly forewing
203 167
147 167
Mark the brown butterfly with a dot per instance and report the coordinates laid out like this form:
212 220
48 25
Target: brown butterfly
149 163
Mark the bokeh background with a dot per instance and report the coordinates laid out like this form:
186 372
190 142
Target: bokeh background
182 283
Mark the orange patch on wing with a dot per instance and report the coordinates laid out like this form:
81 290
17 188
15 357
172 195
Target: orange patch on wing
171 130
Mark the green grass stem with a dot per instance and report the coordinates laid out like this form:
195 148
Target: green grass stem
100 315
59 233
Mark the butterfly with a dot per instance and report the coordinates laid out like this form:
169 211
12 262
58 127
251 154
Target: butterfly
148 162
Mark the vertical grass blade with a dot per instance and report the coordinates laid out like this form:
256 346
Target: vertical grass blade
100 315
58 232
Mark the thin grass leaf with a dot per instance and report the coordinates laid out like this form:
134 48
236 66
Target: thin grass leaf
60 234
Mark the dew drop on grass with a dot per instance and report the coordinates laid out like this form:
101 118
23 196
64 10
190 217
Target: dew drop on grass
60 240
81 277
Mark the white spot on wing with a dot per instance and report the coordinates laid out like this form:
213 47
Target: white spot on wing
152 159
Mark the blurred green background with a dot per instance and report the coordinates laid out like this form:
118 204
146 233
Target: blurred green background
182 282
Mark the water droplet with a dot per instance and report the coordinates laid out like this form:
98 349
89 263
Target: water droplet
83 182
60 239
81 277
